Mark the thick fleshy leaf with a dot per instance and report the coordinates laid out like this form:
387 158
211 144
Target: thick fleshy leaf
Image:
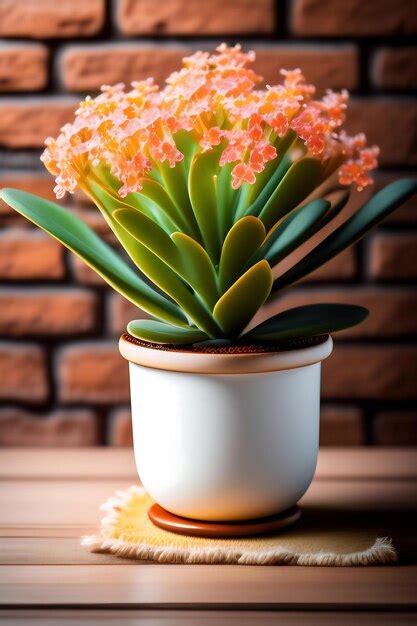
174 180
160 203
297 183
239 304
158 332
202 190
308 321
109 201
80 239
226 198
268 180
170 283
180 252
186 144
381 205
157 257
242 241
300 225
196 268
149 234
338 200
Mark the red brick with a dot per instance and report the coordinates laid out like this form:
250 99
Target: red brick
26 123
341 267
39 184
121 428
121 312
390 123
47 311
50 19
395 68
371 373
354 17
30 255
341 426
393 256
326 66
395 428
93 372
62 428
23 67
23 374
393 311
86 68
192 17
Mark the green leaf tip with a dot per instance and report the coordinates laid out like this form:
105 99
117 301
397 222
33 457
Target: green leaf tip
242 300
159 332
80 239
370 214
308 321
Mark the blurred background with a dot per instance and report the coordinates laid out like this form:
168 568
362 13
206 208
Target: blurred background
62 381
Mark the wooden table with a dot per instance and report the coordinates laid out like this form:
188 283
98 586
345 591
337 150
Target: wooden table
49 498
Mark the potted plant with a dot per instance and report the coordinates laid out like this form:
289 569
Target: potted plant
209 184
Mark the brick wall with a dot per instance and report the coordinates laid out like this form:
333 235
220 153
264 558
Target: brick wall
62 381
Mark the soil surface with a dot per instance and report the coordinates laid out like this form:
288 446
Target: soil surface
237 348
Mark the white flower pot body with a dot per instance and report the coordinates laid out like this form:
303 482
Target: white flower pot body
228 446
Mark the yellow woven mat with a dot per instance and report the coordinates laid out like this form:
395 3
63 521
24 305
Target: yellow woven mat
127 532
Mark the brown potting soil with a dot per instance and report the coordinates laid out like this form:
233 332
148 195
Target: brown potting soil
236 348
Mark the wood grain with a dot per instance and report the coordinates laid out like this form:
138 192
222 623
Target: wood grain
48 500
119 463
203 618
76 504
200 586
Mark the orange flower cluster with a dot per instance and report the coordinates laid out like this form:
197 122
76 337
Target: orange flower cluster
215 99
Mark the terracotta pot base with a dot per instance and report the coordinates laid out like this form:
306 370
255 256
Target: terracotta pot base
195 528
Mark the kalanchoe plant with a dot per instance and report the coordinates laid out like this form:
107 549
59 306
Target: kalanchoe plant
208 184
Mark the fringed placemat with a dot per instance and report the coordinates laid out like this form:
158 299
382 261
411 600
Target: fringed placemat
126 531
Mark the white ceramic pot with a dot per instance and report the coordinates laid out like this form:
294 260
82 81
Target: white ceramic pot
225 436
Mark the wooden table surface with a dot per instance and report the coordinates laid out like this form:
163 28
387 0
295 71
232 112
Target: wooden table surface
49 498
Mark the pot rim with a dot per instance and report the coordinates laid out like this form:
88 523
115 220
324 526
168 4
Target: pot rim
221 363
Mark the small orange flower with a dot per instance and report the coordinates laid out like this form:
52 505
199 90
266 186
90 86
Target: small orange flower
215 98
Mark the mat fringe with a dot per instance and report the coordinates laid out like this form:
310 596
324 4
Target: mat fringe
381 552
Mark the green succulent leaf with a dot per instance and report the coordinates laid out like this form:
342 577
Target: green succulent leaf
226 198
174 180
186 144
297 183
202 189
196 268
109 201
338 200
160 203
180 252
308 321
381 205
147 232
300 225
242 241
158 332
170 283
80 239
145 242
239 304
268 180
